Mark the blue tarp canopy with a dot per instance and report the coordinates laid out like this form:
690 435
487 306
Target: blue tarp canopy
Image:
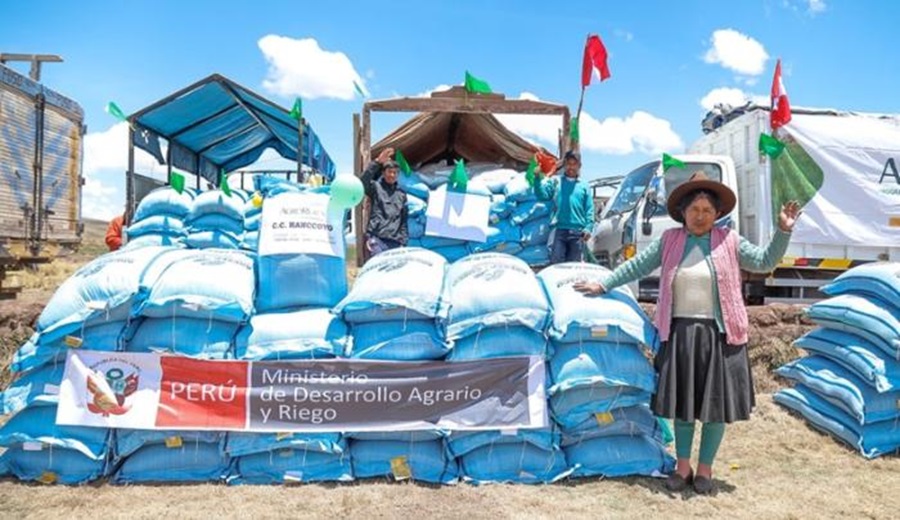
217 124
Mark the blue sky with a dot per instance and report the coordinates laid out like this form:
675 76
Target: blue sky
669 60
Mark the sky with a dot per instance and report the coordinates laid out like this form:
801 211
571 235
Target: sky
670 63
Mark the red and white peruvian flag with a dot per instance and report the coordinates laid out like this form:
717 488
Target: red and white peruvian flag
781 107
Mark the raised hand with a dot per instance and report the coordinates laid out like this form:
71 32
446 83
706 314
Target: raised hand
385 155
790 212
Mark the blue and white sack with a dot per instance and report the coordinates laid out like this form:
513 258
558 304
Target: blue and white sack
612 317
102 291
313 333
399 284
493 290
424 461
861 316
213 284
516 456
862 357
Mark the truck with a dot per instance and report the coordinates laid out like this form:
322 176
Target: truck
842 166
41 148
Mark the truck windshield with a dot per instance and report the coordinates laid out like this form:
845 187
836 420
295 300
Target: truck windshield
631 189
675 177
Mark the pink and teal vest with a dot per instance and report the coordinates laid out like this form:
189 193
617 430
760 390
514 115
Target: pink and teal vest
724 251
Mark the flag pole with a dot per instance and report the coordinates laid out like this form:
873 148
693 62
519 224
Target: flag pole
577 145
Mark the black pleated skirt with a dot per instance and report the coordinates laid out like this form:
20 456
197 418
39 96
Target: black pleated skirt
701 377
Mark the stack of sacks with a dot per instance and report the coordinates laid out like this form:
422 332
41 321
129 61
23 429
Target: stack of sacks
600 365
849 386
216 220
192 303
185 308
534 218
252 220
516 456
518 224
396 309
292 281
498 309
159 219
90 310
38 449
282 458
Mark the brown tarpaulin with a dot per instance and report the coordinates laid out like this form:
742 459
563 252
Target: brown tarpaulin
440 136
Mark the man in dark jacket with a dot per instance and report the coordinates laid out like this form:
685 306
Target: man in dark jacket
387 216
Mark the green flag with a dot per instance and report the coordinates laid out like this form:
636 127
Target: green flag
770 145
668 161
114 110
458 179
403 163
476 86
176 181
795 175
297 109
223 183
574 131
359 90
530 175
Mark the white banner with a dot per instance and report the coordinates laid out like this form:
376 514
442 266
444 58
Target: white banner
154 392
300 223
859 200
463 216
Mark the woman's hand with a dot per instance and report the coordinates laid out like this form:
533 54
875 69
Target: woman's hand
590 289
790 212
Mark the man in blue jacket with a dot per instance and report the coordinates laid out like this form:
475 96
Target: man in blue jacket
573 220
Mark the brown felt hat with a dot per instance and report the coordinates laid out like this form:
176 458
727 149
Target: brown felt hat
699 181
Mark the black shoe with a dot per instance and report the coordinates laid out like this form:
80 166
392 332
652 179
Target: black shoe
703 485
676 482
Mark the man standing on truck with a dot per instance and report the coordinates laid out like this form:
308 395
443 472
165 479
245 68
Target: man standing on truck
386 228
573 219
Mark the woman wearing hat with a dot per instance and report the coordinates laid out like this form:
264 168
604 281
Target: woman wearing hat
703 367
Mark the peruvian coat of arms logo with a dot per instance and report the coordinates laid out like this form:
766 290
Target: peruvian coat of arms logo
109 385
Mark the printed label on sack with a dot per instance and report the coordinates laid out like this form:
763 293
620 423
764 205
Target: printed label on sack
599 331
47 477
174 441
51 389
73 342
509 431
32 446
604 418
280 436
95 305
400 468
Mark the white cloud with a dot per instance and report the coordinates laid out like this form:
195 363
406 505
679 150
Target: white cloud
100 201
107 152
737 52
638 132
302 68
440 88
730 96
816 6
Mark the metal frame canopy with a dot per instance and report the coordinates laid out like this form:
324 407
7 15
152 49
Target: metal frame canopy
455 112
216 124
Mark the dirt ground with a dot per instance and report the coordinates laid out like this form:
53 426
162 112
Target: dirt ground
773 466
